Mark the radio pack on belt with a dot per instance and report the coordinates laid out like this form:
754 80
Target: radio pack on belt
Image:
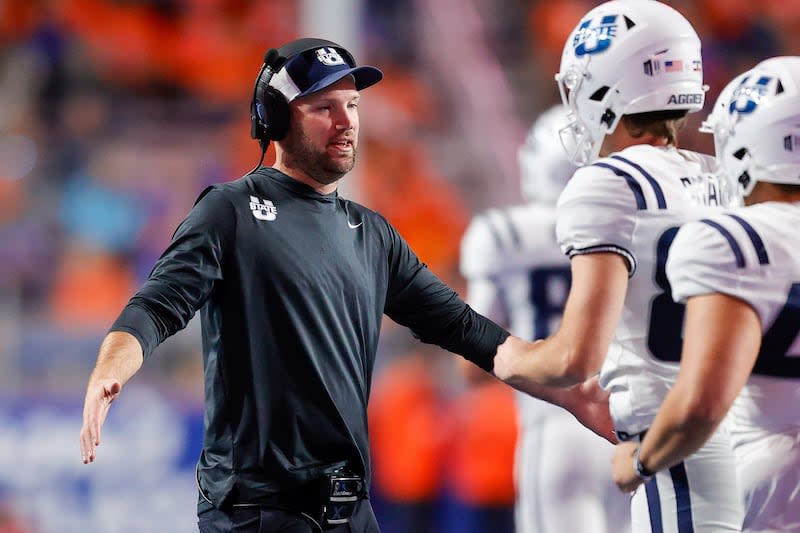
328 501
341 491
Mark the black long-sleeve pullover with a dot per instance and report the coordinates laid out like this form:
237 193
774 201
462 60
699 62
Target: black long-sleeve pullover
292 286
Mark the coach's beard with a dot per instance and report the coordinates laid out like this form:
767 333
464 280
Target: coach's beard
319 165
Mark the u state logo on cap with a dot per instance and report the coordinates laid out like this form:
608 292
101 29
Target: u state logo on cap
329 57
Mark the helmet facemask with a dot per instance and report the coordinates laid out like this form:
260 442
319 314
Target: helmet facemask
590 120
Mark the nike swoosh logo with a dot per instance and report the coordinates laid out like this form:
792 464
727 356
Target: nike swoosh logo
353 226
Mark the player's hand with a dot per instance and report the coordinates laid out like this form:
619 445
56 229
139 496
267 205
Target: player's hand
99 396
622 467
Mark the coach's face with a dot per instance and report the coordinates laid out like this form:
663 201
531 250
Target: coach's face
323 136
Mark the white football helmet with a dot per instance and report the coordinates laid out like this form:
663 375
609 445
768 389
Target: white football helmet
756 125
626 57
543 165
718 121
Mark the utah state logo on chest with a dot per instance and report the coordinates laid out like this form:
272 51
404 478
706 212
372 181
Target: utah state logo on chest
263 209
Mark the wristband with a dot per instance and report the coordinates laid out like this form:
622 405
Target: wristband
641 472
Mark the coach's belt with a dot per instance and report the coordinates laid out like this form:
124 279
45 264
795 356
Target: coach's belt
326 502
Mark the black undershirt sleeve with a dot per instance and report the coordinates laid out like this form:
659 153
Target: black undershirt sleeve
419 300
184 275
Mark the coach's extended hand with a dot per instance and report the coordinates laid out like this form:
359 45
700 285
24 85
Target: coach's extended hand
120 358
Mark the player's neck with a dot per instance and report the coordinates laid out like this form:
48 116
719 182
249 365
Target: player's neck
769 192
620 139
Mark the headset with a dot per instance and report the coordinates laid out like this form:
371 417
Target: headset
269 109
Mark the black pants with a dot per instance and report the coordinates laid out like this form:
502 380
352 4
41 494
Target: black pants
265 520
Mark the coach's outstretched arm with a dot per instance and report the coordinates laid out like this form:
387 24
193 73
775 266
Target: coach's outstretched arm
119 359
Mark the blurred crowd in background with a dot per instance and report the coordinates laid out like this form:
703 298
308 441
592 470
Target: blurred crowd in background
115 114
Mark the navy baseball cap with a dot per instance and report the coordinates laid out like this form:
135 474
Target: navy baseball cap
315 69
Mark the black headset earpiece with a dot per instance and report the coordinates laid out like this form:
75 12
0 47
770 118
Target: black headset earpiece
264 122
269 110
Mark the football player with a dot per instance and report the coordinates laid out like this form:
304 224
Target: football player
630 72
517 275
739 274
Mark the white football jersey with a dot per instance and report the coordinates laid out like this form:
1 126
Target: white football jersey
752 253
632 203
517 275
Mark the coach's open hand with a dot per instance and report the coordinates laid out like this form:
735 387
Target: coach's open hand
590 407
95 409
119 358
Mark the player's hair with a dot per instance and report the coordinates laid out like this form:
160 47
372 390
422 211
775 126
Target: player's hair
663 124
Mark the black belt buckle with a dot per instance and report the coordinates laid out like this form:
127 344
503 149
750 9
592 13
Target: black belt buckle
344 489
